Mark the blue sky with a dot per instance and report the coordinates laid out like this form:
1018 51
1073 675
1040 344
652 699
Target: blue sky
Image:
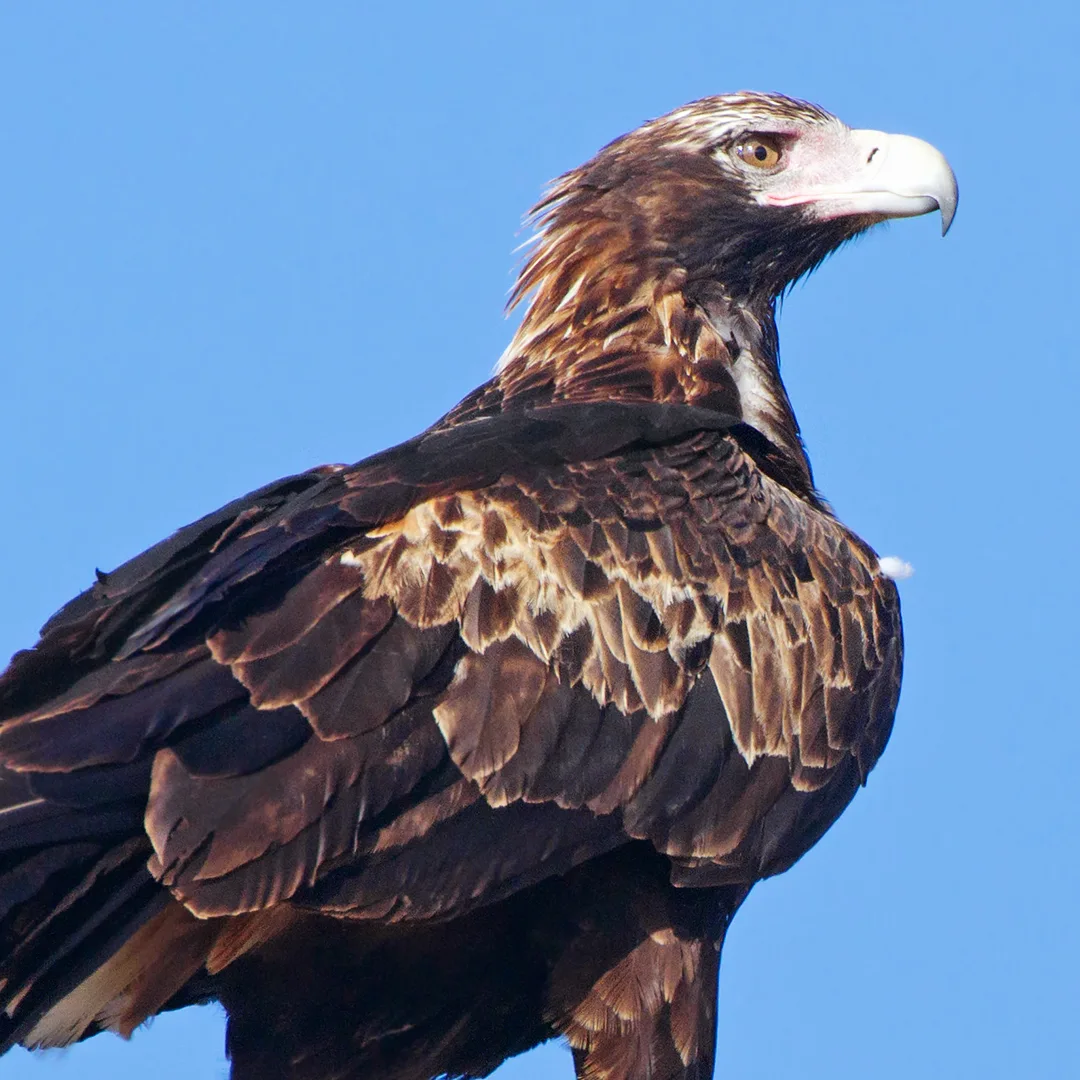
237 240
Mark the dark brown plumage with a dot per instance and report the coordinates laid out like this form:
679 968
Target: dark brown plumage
418 762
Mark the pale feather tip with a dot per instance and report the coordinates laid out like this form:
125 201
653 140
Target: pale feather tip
894 567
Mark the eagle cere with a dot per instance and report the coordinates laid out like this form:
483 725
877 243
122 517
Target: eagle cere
415 763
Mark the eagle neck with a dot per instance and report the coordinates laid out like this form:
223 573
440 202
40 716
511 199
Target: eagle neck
619 308
673 340
749 334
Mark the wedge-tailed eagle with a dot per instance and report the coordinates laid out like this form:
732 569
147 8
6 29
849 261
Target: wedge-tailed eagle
415 763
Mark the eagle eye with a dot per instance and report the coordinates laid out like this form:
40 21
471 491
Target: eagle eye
759 151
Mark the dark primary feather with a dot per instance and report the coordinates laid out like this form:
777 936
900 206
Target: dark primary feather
418 762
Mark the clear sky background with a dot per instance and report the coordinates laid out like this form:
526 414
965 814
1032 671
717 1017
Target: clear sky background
240 239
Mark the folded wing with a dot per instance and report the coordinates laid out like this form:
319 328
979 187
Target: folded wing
409 688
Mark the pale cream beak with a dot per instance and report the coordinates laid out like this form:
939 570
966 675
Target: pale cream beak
889 176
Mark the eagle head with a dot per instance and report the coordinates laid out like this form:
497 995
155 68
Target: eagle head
752 190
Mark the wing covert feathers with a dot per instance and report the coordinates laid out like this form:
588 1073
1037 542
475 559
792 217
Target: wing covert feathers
404 690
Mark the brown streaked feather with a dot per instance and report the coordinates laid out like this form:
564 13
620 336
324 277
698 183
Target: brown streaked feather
242 740
116 728
378 683
299 670
271 831
115 680
301 609
639 998
540 734
481 714
475 856
133 985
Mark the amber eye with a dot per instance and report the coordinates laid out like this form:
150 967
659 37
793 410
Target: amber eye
759 151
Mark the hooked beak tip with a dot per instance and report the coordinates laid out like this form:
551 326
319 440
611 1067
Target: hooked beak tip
914 168
948 212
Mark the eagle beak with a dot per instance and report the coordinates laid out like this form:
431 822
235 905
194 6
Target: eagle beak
906 177
888 176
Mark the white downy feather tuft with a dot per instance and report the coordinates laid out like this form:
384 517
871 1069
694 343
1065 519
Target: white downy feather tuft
894 567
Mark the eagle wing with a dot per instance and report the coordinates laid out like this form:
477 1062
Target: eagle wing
407 688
